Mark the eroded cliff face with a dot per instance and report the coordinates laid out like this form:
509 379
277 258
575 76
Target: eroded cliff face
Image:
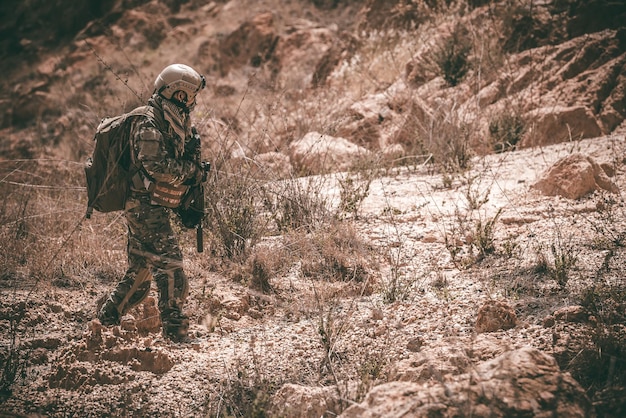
556 66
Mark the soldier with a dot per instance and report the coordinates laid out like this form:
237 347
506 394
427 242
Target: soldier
167 168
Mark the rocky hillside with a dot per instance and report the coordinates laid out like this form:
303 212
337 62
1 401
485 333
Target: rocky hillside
415 208
387 76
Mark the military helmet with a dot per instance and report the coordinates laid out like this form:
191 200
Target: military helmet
177 77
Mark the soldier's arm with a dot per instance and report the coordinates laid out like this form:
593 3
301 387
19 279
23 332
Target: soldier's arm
151 154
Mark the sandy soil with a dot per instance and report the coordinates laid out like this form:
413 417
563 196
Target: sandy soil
247 341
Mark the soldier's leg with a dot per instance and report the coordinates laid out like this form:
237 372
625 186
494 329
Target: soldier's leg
128 293
135 285
173 290
162 251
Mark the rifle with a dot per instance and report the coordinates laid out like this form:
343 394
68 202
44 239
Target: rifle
206 166
191 210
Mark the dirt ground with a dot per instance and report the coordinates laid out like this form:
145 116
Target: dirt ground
309 332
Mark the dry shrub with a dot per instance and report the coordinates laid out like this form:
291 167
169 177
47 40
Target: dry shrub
233 215
334 252
601 366
266 263
46 238
13 357
447 137
354 188
506 131
297 203
247 390
452 56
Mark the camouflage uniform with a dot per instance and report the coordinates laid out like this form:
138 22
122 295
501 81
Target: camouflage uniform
153 249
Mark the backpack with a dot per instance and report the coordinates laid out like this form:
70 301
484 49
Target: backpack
109 170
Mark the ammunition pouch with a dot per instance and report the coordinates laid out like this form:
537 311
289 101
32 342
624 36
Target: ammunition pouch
165 194
161 193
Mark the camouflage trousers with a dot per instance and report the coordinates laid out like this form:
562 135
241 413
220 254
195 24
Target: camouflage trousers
153 252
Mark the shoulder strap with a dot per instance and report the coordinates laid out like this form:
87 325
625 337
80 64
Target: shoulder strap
151 113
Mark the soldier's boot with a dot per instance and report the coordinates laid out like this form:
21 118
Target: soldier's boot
129 292
108 313
175 325
173 290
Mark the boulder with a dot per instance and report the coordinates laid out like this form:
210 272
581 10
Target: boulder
385 119
575 313
556 124
573 177
431 363
253 43
495 316
524 382
318 153
272 165
300 52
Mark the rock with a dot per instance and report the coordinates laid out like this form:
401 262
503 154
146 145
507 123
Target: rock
392 121
557 124
495 316
128 323
229 304
382 14
524 382
317 153
155 361
300 52
573 177
343 48
548 321
297 401
574 313
149 318
272 165
433 363
253 43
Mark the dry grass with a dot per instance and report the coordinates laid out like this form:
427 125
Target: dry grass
295 243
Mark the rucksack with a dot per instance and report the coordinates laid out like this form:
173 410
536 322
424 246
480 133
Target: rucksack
109 170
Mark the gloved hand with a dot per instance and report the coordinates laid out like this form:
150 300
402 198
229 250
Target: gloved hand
195 178
192 146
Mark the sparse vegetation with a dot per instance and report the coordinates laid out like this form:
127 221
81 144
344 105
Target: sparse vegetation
601 364
452 57
334 252
247 390
447 138
233 215
506 131
14 357
297 203
333 282
354 189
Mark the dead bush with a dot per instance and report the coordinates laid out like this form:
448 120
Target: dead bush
452 57
233 215
333 252
601 366
506 131
297 203
266 263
